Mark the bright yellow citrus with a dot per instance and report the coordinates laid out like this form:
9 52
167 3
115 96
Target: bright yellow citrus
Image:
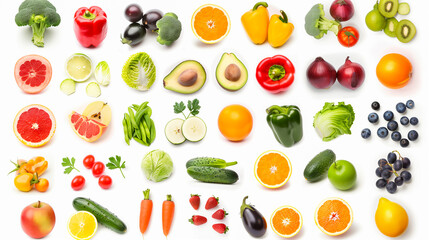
82 225
391 218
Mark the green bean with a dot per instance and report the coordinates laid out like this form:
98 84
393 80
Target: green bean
141 113
144 135
124 124
152 131
143 105
140 141
135 107
132 118
130 130
137 133
149 112
147 130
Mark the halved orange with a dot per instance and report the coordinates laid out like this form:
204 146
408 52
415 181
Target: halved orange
210 23
334 216
273 169
286 221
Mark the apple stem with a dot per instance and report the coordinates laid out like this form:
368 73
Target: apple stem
38 204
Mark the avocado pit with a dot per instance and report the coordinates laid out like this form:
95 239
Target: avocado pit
188 77
232 72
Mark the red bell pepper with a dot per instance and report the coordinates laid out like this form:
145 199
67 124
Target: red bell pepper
90 26
275 74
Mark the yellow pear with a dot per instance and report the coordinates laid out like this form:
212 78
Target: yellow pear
98 111
391 218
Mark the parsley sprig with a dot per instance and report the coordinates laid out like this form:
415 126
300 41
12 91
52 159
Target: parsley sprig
69 164
193 106
115 162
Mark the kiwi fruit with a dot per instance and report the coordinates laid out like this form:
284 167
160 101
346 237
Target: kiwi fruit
391 25
404 8
405 31
388 8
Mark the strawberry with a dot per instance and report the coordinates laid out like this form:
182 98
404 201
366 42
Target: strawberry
219 214
195 201
220 228
198 220
212 202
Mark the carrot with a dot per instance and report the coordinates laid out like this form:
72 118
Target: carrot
167 215
145 211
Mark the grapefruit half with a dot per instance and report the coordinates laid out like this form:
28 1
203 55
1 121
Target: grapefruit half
33 73
34 125
87 129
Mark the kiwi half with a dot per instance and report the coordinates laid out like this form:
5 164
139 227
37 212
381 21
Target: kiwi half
388 8
391 25
405 31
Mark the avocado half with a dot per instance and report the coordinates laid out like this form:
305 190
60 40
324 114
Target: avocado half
187 77
231 73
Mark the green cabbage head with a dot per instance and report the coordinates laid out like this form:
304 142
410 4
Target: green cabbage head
157 165
334 120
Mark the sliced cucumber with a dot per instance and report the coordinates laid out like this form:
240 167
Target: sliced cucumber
173 131
404 8
93 90
68 86
194 129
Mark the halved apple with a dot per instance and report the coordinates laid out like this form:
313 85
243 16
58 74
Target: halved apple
98 111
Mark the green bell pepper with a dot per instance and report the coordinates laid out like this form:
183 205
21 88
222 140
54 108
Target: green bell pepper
286 123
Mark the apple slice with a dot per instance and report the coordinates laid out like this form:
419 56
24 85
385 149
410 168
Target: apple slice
98 111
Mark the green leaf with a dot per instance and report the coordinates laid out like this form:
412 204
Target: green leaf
179 107
115 163
69 164
194 106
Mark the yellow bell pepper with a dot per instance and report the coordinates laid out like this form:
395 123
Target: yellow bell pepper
255 22
279 29
24 182
36 165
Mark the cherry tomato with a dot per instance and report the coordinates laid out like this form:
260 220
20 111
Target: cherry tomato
394 70
98 169
348 36
78 182
42 185
88 161
105 182
235 122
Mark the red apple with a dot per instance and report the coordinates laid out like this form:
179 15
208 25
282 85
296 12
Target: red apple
38 219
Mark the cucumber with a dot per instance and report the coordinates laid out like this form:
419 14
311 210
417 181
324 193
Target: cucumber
104 216
194 129
209 162
173 131
318 167
213 175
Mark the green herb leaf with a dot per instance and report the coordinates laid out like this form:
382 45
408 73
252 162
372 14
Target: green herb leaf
194 106
69 165
179 107
115 163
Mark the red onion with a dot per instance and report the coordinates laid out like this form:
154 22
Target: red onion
342 10
321 74
351 75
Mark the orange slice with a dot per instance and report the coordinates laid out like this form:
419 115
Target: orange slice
286 221
210 23
334 216
273 169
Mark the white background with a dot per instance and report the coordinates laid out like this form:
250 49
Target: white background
125 195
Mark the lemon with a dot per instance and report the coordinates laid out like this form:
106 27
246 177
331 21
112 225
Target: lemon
79 67
391 218
82 225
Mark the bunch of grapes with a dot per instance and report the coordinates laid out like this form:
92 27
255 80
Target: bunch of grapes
395 165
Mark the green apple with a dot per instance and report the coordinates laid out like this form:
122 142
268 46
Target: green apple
342 175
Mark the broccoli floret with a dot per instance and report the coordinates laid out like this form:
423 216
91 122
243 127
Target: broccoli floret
169 29
317 25
39 15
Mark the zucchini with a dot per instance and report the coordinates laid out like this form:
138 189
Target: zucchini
209 162
104 216
212 174
318 167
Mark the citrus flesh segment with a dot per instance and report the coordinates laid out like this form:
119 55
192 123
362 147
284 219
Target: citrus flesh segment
286 221
34 125
87 129
82 225
273 169
210 23
334 216
33 73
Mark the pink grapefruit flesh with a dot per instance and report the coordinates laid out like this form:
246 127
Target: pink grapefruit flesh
33 73
87 129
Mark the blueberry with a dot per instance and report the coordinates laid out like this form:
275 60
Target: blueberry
414 121
406 176
404 142
399 181
398 165
392 125
382 162
413 135
410 104
396 136
366 133
382 132
404 121
388 115
391 187
373 117
391 157
375 105
381 183
401 108
406 163
386 173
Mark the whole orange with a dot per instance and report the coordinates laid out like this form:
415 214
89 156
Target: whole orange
394 70
235 122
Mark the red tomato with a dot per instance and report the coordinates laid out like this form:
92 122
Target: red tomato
78 182
98 169
348 36
105 182
88 161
